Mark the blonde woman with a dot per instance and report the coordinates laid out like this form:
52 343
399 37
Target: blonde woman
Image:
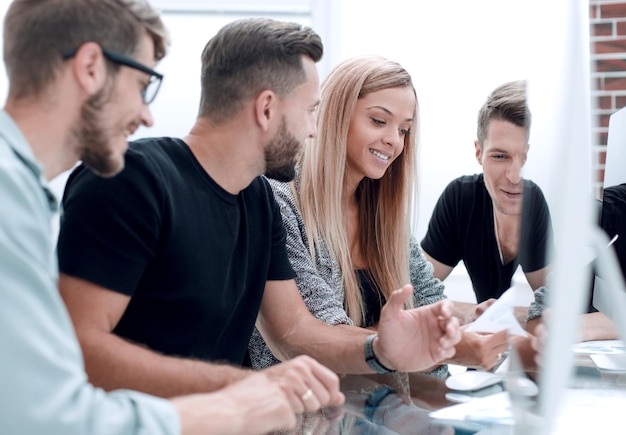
347 213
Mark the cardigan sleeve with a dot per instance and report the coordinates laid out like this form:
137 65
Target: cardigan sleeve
427 288
319 280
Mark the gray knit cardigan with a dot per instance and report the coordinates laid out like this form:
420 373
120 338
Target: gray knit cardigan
320 282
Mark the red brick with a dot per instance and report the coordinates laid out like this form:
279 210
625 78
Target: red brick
610 65
601 29
615 10
601 157
604 102
598 84
620 26
603 120
613 46
602 138
615 83
620 101
599 175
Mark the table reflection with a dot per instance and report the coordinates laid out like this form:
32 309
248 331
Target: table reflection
398 403
401 403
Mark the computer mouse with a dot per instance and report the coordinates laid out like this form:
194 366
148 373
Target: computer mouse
521 386
472 380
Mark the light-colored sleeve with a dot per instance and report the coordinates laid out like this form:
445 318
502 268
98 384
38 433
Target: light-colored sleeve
43 385
426 288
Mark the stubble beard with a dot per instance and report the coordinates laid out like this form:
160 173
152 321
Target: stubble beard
95 147
281 154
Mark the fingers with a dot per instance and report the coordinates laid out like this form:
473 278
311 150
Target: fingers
257 404
396 300
448 324
482 307
488 348
451 335
496 345
309 385
446 308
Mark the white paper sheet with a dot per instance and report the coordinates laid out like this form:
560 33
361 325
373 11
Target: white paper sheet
500 314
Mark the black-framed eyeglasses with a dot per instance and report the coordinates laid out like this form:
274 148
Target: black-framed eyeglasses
150 91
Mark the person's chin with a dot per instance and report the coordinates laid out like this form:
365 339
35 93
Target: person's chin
283 174
106 167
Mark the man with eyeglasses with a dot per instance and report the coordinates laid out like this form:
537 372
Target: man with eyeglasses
166 268
79 84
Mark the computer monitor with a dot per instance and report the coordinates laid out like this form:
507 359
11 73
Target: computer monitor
559 95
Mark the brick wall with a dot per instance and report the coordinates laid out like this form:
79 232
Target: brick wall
608 73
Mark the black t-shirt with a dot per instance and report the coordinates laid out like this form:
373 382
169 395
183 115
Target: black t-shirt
613 220
462 228
193 257
373 300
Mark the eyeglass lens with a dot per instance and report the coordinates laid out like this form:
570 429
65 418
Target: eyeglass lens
149 93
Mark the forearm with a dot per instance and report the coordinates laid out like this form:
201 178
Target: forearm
113 363
532 325
597 326
338 347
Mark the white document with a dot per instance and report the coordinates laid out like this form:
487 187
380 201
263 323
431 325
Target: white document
610 361
599 346
500 314
494 409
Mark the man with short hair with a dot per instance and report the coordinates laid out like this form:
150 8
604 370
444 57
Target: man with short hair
80 81
478 218
167 267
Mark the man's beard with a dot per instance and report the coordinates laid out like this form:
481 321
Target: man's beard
93 142
281 154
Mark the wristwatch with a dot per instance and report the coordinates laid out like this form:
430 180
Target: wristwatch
370 357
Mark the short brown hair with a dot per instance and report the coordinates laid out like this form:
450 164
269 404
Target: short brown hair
37 33
507 103
250 55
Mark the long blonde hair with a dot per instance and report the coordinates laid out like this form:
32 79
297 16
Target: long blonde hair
384 205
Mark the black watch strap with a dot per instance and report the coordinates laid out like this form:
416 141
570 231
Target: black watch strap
370 357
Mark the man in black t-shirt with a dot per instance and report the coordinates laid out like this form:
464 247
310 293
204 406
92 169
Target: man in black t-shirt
478 219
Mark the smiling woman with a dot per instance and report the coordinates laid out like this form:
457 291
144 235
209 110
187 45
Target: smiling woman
347 214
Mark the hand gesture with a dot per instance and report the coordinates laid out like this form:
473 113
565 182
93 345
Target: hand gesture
416 339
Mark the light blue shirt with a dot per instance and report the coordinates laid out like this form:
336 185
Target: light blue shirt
43 385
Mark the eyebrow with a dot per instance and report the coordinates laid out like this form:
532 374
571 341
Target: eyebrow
498 150
384 109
